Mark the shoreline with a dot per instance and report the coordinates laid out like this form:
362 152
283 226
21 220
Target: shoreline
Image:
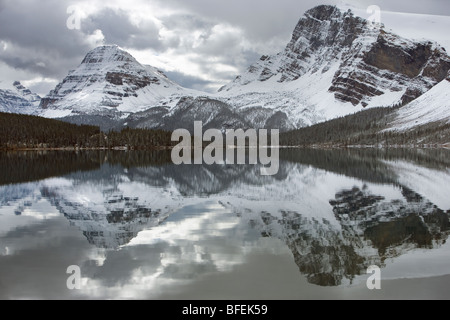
88 149
445 146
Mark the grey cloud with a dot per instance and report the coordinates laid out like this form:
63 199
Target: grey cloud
219 46
436 7
232 56
183 24
39 61
118 28
38 38
40 43
42 88
40 25
188 81
189 22
259 19
114 271
208 69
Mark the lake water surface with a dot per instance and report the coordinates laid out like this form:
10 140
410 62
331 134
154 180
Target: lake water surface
139 227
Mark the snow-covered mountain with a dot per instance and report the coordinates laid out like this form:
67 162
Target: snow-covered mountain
213 113
19 99
432 107
337 63
111 89
110 82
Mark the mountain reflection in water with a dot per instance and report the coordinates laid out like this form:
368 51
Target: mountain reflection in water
337 211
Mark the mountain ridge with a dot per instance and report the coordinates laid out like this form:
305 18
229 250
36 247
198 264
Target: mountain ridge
336 64
18 99
109 81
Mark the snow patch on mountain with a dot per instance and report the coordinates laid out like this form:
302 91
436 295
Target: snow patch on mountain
18 99
433 106
335 65
418 27
111 81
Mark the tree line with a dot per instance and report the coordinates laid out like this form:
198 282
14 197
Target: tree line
33 132
363 128
366 128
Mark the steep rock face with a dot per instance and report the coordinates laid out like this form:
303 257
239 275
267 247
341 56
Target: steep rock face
335 64
318 39
110 82
26 93
19 100
414 66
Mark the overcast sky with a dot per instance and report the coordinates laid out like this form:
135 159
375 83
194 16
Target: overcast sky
201 44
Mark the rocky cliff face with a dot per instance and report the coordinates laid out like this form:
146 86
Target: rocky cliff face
109 82
409 66
19 100
336 60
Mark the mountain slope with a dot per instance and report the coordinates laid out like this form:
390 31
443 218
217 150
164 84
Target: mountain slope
212 113
18 99
109 82
433 106
336 64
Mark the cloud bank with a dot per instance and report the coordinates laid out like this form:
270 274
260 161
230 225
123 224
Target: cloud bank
202 44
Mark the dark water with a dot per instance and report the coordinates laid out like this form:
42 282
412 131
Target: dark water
139 227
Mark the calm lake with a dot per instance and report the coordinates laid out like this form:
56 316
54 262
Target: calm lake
139 227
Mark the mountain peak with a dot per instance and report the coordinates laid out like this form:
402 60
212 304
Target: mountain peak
18 99
336 64
323 12
108 53
111 83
